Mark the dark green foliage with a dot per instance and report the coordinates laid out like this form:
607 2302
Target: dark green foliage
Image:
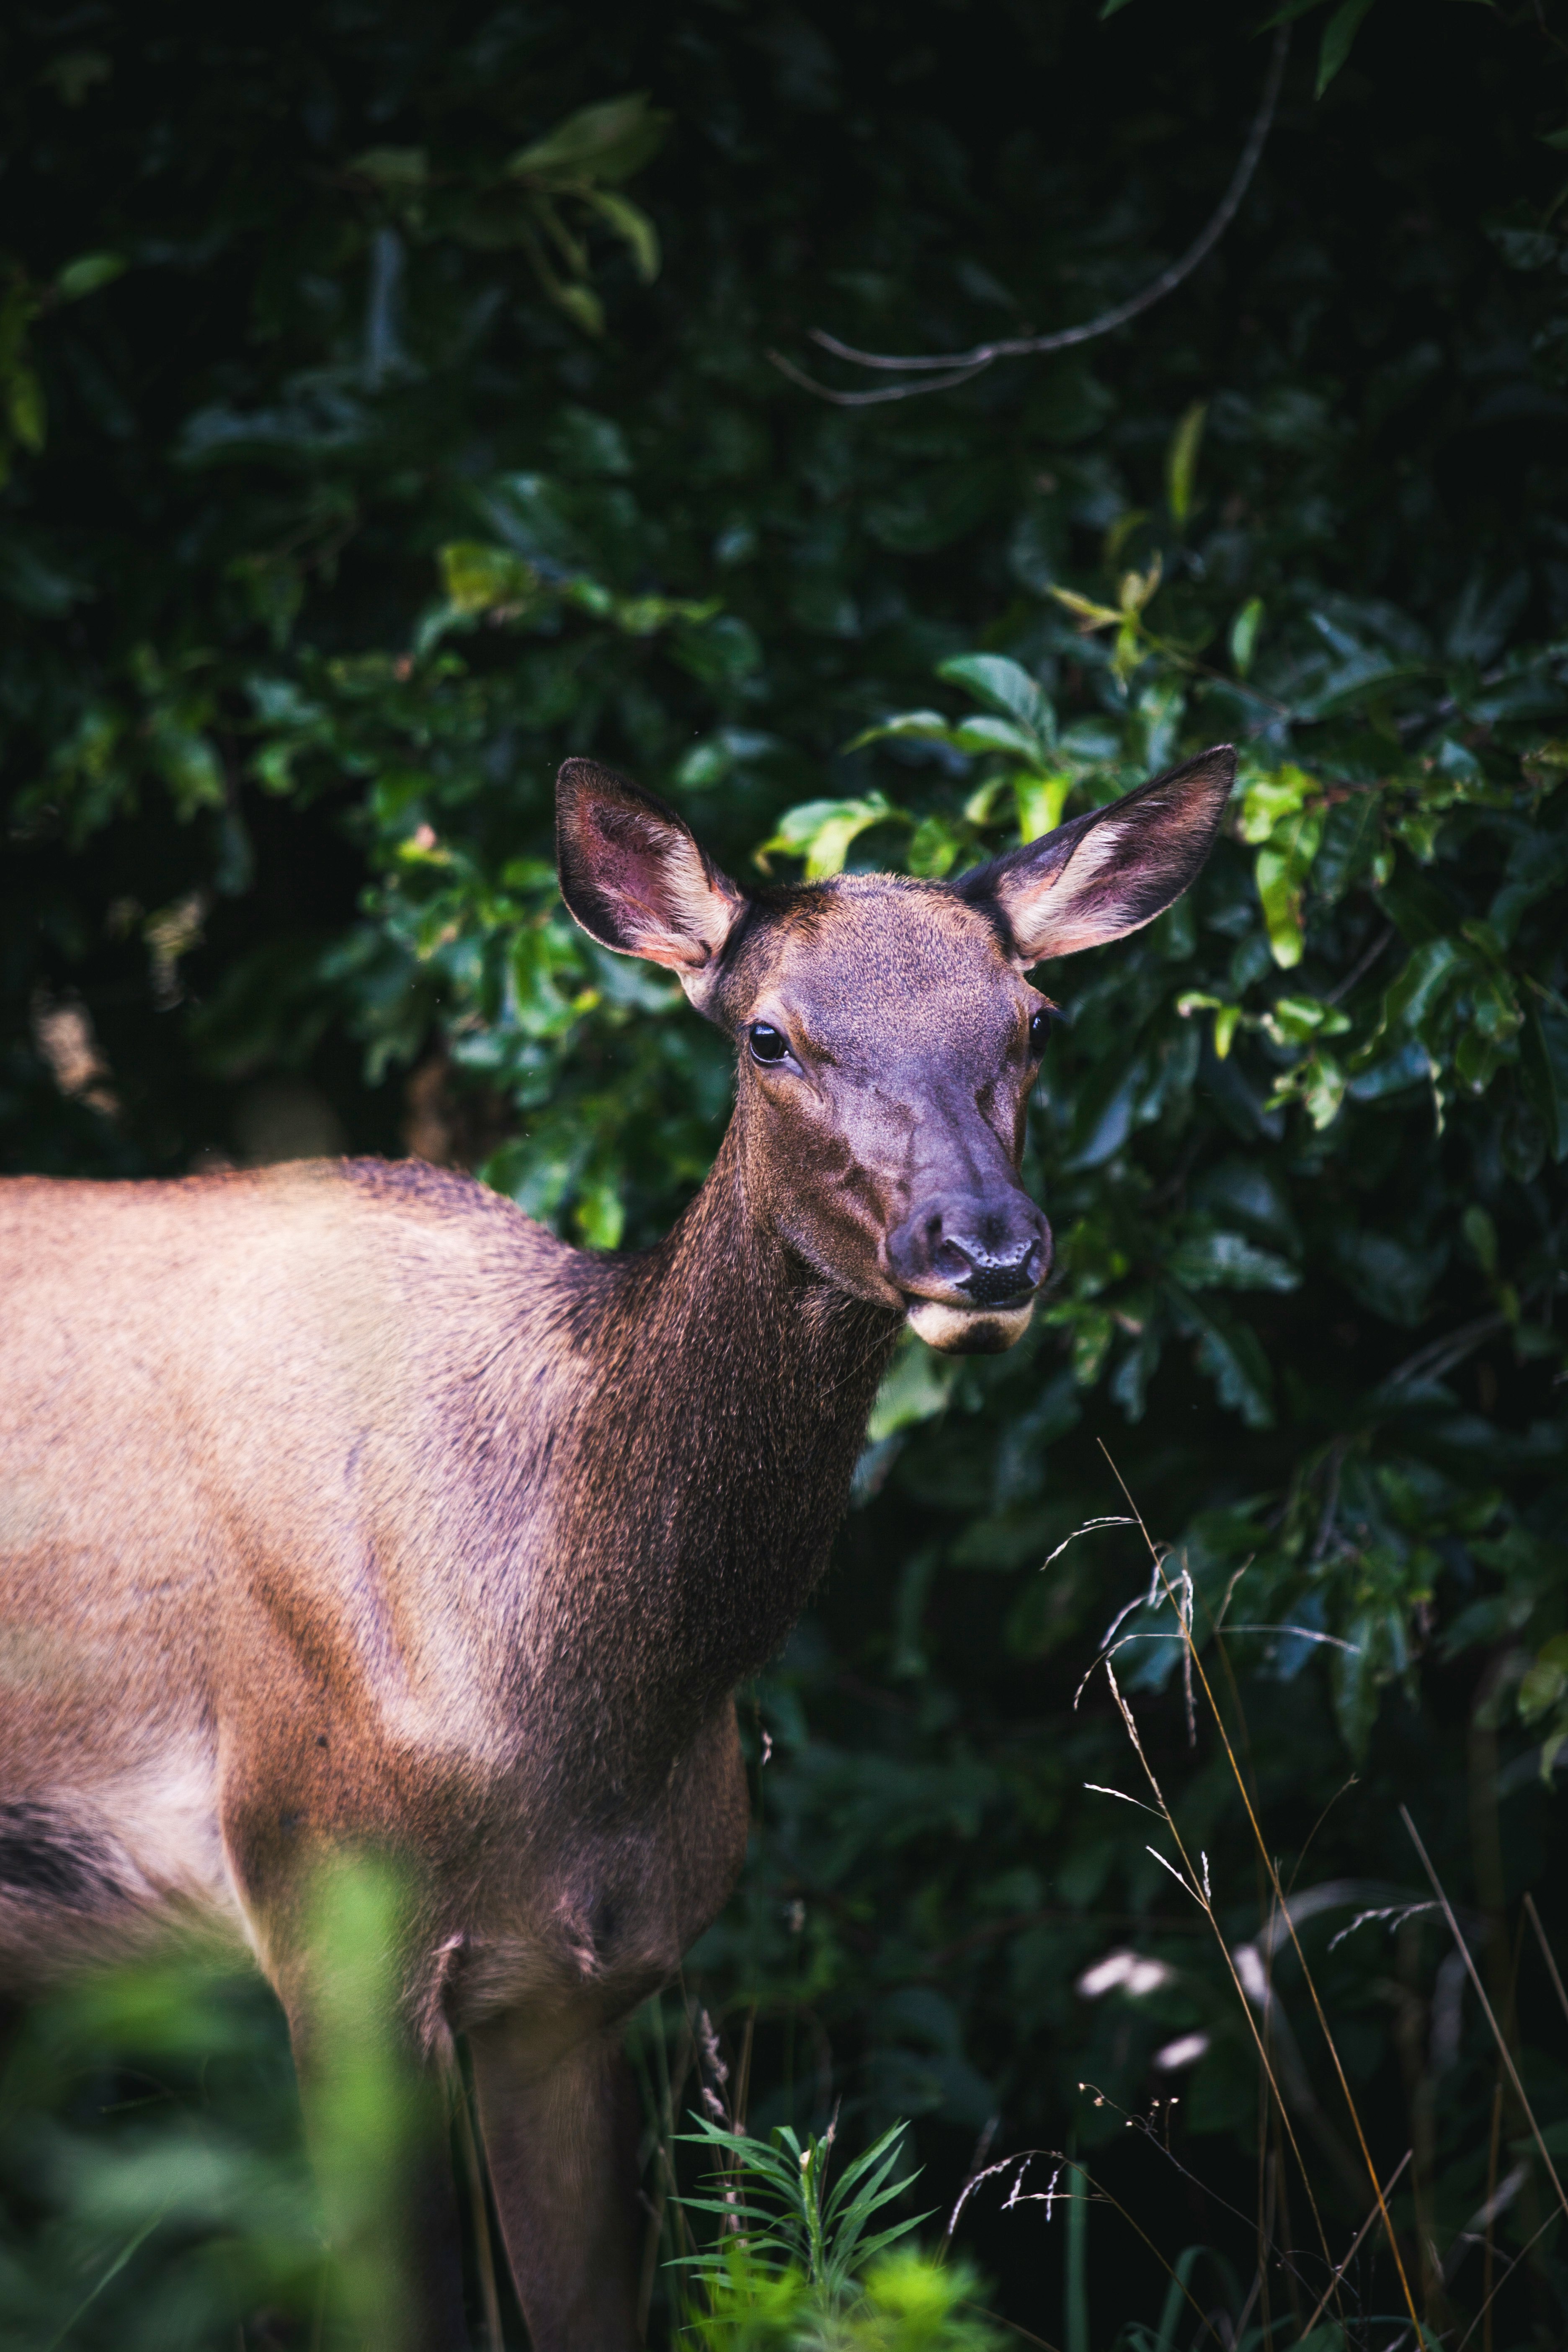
360 469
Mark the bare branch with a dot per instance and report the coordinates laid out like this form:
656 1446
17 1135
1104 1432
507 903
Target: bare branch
944 370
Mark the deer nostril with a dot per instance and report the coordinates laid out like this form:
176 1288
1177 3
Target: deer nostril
997 1285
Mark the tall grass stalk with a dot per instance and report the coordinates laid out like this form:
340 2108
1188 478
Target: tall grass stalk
1506 2054
1076 2312
1190 1646
1355 2244
1195 1885
1546 1953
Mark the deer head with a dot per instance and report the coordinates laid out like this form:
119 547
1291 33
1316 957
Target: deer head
888 1037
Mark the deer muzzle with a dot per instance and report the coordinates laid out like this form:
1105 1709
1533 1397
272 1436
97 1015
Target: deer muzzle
969 1266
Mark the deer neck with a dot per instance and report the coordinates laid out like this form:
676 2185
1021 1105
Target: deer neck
726 1398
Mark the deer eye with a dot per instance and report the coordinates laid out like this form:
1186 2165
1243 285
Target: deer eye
1039 1029
768 1044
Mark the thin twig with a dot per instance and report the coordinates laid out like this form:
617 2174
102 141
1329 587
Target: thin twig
944 370
1486 2006
1502 2282
1356 2241
1440 1356
871 399
1361 969
1546 1951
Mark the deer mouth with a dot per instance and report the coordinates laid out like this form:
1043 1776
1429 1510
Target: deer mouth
979 1330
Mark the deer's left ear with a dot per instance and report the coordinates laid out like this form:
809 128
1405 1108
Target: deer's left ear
636 878
1110 872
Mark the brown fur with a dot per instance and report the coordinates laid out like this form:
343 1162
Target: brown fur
341 1504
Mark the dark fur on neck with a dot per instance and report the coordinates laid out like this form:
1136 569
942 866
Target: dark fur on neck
732 1391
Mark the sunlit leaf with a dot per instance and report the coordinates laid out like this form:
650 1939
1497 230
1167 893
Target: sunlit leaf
824 832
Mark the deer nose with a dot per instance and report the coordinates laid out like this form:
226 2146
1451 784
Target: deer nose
987 1251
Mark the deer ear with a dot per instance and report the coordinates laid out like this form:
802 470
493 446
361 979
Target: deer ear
1110 872
632 875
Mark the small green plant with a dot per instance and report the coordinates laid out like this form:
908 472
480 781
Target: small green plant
772 2196
793 2266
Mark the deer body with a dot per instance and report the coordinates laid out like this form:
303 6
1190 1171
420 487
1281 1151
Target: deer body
341 1504
430 1548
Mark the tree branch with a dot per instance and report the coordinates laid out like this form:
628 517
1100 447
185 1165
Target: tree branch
944 370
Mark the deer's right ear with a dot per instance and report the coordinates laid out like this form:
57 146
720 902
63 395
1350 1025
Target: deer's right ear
636 878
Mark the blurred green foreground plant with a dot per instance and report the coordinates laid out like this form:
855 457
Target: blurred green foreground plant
157 2190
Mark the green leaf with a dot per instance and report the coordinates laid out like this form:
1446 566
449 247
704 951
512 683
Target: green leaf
1429 974
1091 615
607 142
1481 1231
1234 1360
600 1212
395 170
189 766
1338 34
934 848
1244 635
823 832
1320 1083
923 726
915 1388
1004 687
1391 1277
478 578
581 306
1298 1020
996 735
634 229
1271 797
1181 461
24 408
1040 802
1545 1070
87 273
1227 1262
1281 870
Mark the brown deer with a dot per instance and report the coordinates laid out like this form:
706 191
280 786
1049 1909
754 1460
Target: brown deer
341 1505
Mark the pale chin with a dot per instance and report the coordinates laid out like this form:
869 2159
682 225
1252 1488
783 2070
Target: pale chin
968 1330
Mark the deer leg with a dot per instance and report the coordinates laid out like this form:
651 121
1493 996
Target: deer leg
562 2143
